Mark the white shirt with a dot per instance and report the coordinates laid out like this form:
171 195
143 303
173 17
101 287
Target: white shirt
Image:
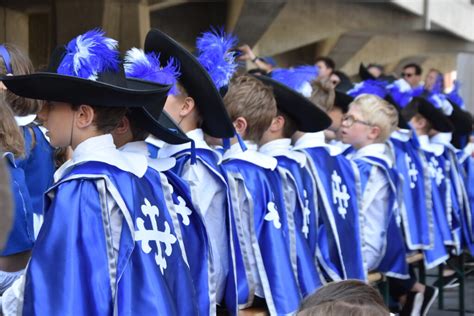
282 147
310 140
374 210
209 196
152 140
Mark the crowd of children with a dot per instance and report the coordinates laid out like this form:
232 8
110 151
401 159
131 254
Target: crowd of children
190 187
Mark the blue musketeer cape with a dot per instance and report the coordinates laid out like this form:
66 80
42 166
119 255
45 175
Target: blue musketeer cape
21 237
339 231
393 262
416 209
73 269
263 219
296 210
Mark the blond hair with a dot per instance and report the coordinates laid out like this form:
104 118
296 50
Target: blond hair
323 94
20 65
377 112
249 98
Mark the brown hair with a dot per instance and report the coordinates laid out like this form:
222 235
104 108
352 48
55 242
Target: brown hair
106 119
290 126
11 138
323 94
248 97
21 65
349 297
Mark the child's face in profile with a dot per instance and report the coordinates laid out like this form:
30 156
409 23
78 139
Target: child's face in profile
354 129
58 118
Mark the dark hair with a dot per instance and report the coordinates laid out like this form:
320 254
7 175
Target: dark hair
418 69
378 66
138 133
349 297
290 126
327 61
106 119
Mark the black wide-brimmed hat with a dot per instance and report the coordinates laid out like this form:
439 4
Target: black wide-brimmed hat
108 88
342 101
436 117
402 123
307 116
364 73
197 82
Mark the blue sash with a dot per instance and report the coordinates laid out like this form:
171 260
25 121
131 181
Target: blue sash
416 213
75 252
340 243
267 231
393 262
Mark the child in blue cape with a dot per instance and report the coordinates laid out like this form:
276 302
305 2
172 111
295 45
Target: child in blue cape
17 250
38 160
107 245
265 271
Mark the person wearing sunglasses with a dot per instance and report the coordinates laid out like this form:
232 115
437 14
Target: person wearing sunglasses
412 74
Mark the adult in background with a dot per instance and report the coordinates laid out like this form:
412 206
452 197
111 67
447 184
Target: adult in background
326 66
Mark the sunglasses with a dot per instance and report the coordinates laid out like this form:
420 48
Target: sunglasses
407 75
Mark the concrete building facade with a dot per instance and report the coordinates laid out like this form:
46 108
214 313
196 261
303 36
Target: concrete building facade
435 33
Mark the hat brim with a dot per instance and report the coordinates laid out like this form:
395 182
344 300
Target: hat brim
402 123
342 101
364 73
196 81
437 119
74 90
461 120
307 116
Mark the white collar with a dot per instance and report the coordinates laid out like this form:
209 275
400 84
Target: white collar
102 149
426 145
197 135
251 155
282 147
442 138
311 140
25 120
403 135
140 147
377 150
152 140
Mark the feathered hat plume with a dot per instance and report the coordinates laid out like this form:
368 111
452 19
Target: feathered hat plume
298 78
370 86
89 54
148 67
454 95
215 55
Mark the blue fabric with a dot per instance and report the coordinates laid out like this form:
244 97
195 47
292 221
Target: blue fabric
417 217
152 150
38 165
393 262
69 270
21 236
341 220
272 242
307 274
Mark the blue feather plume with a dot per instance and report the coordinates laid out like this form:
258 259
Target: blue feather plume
376 87
213 48
298 78
454 95
89 54
401 92
148 67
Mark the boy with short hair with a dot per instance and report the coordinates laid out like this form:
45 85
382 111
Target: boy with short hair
366 126
266 276
106 245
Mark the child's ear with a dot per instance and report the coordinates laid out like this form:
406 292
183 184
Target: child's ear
187 106
84 116
277 124
240 125
123 127
374 132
